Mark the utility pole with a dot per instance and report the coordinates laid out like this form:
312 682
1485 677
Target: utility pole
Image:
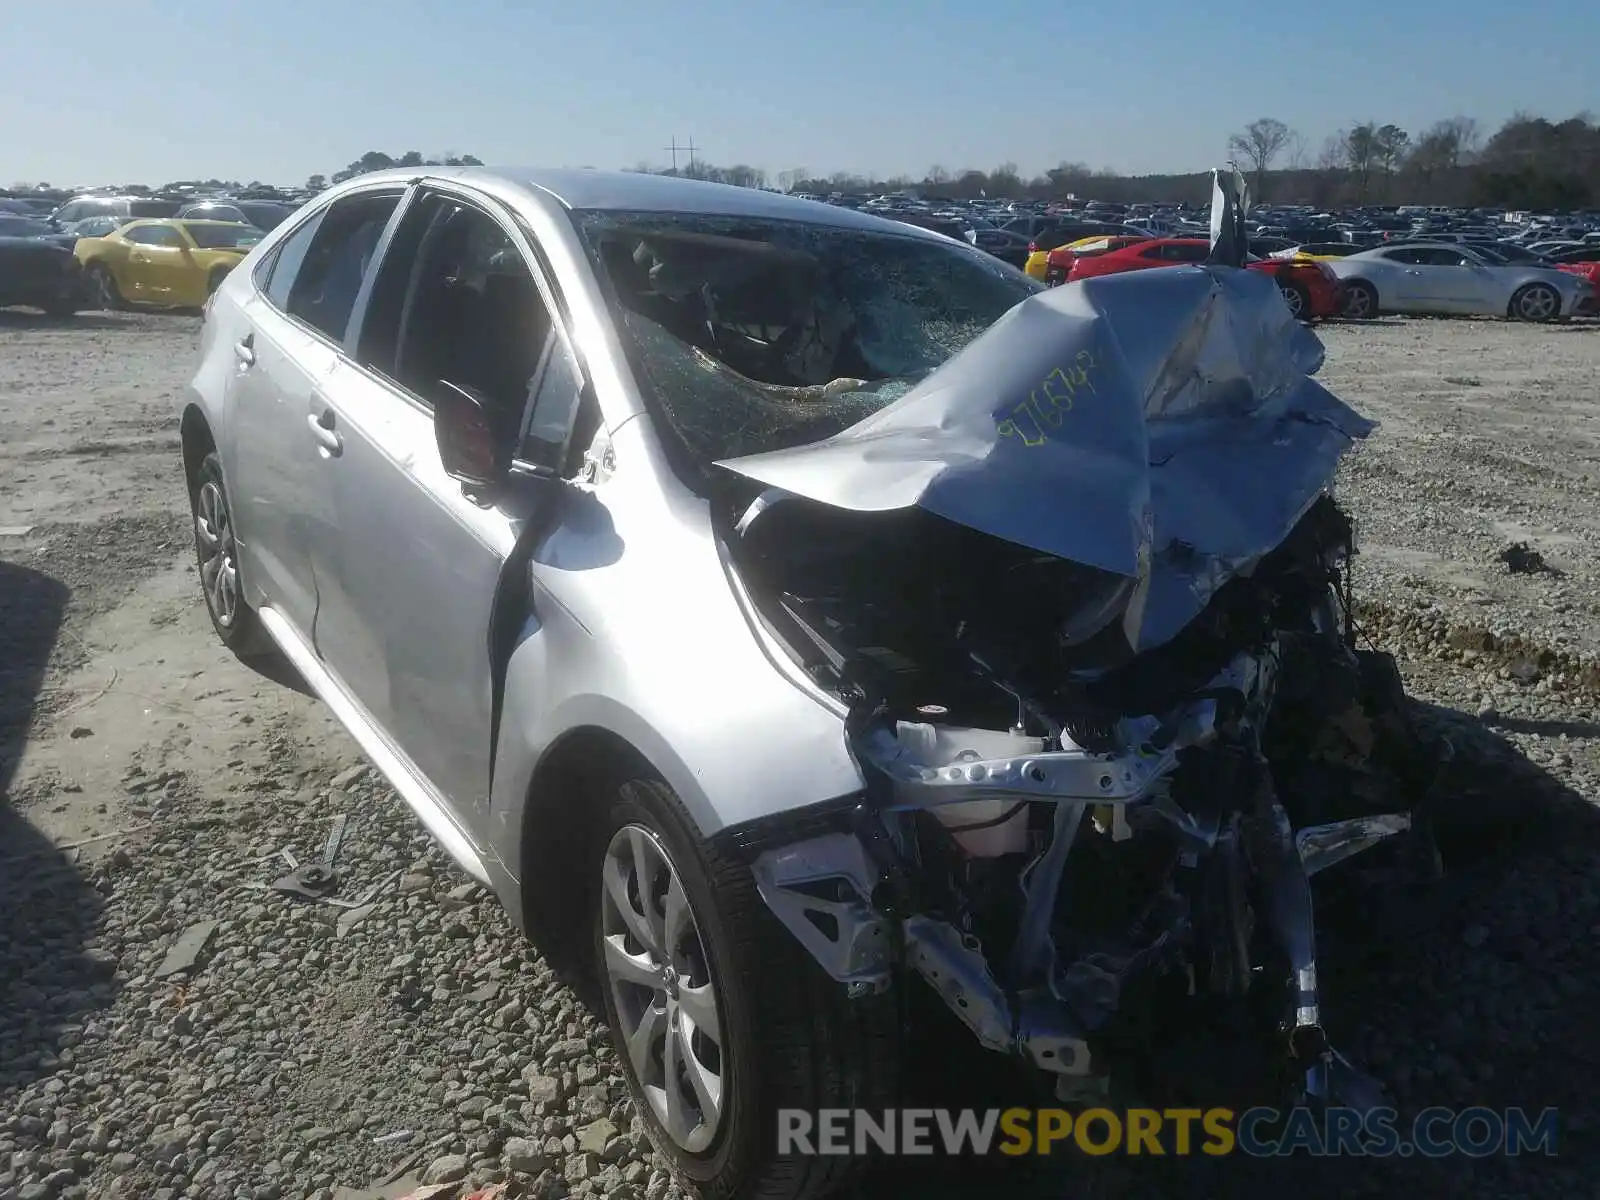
675 148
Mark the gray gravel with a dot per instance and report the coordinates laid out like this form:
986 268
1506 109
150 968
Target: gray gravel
309 1047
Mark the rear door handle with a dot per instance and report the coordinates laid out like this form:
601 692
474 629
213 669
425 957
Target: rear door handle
244 350
327 436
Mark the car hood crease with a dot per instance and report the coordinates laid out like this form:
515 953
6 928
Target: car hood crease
1163 426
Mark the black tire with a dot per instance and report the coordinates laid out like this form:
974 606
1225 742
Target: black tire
61 308
1360 300
237 626
1537 303
103 285
1298 300
790 1037
214 280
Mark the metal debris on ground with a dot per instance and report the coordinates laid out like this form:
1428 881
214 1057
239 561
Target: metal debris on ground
1522 559
186 951
350 918
330 852
311 882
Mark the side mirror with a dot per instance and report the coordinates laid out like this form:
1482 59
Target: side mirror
465 437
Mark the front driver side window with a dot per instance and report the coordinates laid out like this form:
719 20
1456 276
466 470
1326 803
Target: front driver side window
457 302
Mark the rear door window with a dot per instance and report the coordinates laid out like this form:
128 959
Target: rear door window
283 264
334 262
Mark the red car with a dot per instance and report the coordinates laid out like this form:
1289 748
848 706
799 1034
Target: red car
1585 263
1309 288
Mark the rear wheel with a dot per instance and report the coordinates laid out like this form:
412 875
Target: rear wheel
216 551
103 285
1360 300
1537 302
214 280
719 1017
1298 300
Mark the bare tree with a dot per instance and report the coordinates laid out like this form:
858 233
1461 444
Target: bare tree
1464 139
1297 155
1259 145
937 175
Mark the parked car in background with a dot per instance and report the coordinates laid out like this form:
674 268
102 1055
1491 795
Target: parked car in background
1058 262
1318 250
1450 278
263 214
37 267
170 263
1584 262
1008 247
93 226
1052 237
1309 289
127 207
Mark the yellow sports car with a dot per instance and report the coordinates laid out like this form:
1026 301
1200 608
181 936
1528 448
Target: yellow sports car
174 264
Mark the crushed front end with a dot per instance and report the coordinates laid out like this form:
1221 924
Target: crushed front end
1105 745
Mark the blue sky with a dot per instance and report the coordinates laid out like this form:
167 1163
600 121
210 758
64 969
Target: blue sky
152 90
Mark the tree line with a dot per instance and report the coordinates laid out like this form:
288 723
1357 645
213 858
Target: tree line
1528 163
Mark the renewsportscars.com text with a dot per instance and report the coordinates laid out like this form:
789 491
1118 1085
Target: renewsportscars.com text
1258 1132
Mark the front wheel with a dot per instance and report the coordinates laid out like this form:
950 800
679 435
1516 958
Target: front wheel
1537 302
719 1017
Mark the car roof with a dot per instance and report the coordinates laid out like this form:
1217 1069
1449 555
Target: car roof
630 191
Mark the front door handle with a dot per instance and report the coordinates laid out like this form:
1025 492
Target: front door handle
244 350
322 428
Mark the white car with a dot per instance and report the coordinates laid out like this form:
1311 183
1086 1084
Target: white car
1431 277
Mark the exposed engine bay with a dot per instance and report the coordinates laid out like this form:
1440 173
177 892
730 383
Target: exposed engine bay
1059 832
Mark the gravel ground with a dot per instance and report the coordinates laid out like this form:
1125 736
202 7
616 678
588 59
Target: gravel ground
171 1027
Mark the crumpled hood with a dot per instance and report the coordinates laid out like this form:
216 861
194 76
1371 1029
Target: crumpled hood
1162 425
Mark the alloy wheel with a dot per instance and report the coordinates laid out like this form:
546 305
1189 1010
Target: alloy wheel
661 989
1296 302
1358 303
1537 303
219 569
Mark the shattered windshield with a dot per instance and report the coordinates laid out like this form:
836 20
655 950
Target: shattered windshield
757 335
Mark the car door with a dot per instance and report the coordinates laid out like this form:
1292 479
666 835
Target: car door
405 614
155 263
282 494
1446 280
1402 283
1479 287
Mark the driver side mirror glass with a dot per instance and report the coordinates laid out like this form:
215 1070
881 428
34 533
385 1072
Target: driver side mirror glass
465 436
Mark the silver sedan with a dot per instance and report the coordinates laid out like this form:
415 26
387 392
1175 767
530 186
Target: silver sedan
1438 278
780 607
